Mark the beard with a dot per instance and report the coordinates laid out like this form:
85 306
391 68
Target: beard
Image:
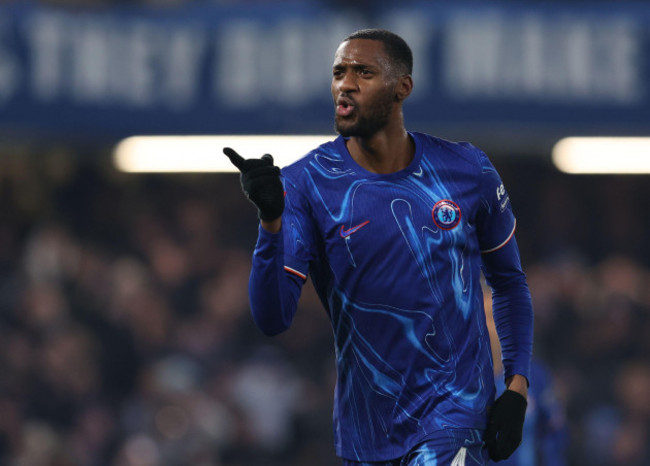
368 122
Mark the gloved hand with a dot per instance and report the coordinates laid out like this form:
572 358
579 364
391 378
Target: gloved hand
260 181
505 425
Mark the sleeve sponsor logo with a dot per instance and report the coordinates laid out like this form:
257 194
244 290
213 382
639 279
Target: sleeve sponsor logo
502 197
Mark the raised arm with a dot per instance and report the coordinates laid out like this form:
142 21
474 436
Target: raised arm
273 294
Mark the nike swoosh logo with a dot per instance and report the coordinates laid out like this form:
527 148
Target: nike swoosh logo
346 233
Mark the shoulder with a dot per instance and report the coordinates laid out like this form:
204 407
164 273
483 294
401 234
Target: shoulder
455 152
325 158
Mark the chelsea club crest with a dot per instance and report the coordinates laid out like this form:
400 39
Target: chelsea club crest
446 214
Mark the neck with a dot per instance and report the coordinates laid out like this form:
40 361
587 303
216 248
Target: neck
388 151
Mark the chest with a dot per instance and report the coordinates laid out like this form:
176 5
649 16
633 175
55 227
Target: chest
377 221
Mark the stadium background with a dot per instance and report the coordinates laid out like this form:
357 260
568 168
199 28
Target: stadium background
125 336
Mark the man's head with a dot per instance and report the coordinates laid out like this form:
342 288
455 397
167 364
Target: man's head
396 48
371 78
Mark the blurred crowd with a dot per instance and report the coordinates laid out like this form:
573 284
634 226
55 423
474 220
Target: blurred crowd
126 338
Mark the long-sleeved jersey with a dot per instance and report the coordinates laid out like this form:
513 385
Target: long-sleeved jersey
396 260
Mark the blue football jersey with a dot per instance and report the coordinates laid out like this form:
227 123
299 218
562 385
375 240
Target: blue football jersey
396 261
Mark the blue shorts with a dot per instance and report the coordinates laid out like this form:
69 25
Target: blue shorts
454 447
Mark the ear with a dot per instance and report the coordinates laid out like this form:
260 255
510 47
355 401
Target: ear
404 87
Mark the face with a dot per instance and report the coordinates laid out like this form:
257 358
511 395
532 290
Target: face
363 88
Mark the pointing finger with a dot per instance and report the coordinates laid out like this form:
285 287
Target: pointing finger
236 159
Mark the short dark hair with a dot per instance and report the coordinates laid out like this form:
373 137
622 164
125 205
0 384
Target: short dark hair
396 48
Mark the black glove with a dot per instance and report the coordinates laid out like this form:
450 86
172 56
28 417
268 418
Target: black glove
505 425
260 180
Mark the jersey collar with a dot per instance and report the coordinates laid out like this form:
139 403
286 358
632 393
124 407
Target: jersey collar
361 172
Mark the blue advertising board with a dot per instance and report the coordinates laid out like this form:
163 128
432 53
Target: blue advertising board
266 68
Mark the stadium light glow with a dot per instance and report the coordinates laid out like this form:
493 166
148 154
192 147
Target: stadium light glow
602 155
186 154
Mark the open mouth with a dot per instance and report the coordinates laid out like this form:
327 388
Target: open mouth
344 107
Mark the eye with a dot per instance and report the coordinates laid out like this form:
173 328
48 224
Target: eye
365 72
337 73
